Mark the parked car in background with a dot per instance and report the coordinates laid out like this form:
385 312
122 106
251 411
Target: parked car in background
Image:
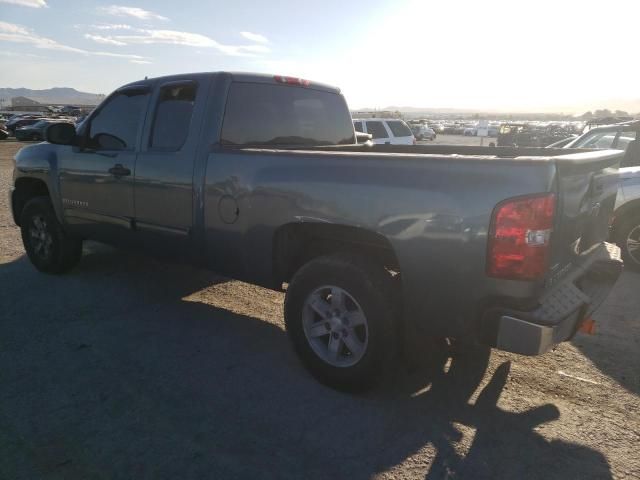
470 131
563 142
390 131
422 132
4 134
625 228
20 121
530 134
35 131
616 136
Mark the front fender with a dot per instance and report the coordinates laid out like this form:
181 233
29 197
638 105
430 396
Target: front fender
40 162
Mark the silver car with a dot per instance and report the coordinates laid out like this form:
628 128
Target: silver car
625 230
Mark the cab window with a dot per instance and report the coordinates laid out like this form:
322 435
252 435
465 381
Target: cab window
377 130
596 140
116 125
172 118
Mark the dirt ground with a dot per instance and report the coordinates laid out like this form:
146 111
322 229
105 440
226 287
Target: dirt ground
133 368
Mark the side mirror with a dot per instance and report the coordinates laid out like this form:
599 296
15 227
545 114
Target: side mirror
61 134
363 137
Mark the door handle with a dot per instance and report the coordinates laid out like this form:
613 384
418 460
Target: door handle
118 170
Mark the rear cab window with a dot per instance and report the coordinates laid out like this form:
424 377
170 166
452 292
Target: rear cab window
625 138
399 129
261 114
172 117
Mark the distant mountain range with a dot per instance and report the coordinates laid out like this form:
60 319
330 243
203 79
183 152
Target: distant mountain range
58 95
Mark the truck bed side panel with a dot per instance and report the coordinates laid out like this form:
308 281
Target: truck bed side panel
434 213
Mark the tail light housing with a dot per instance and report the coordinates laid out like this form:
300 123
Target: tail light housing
520 237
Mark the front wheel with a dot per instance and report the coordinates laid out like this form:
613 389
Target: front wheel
49 248
339 316
627 236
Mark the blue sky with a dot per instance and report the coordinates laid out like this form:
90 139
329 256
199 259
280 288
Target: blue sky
496 54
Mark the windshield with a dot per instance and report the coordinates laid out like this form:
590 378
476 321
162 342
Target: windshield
263 114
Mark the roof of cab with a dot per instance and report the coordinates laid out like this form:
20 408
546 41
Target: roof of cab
237 77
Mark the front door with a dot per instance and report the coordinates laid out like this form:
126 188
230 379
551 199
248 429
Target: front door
96 179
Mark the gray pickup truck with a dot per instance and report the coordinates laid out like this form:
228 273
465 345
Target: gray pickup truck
261 178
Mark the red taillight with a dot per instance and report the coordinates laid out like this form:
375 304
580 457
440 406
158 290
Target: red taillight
519 237
292 81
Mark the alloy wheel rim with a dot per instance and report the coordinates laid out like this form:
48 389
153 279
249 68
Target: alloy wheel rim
41 239
335 326
633 244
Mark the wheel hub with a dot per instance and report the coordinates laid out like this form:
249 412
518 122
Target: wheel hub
335 326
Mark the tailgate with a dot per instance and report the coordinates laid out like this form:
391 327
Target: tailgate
587 185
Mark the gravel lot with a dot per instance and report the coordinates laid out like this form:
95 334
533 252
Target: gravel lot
133 368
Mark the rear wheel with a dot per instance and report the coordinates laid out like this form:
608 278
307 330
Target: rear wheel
628 239
49 248
339 317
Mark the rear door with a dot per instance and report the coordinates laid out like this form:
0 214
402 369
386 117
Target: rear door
379 131
163 191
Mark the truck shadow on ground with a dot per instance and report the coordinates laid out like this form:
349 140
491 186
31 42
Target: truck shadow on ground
109 373
614 348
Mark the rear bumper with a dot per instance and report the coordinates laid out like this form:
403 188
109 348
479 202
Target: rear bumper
561 309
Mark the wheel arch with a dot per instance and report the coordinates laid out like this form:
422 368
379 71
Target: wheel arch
25 189
295 244
623 212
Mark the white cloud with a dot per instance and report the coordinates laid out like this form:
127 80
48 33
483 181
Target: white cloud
10 32
103 40
111 26
141 62
27 3
254 37
174 37
5 53
135 12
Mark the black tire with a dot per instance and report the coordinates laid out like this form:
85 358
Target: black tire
371 287
63 251
624 228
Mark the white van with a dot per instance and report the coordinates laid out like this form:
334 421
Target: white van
391 131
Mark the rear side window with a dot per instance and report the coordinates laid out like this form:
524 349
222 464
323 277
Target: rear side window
625 138
173 116
377 130
596 140
358 126
399 129
263 114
